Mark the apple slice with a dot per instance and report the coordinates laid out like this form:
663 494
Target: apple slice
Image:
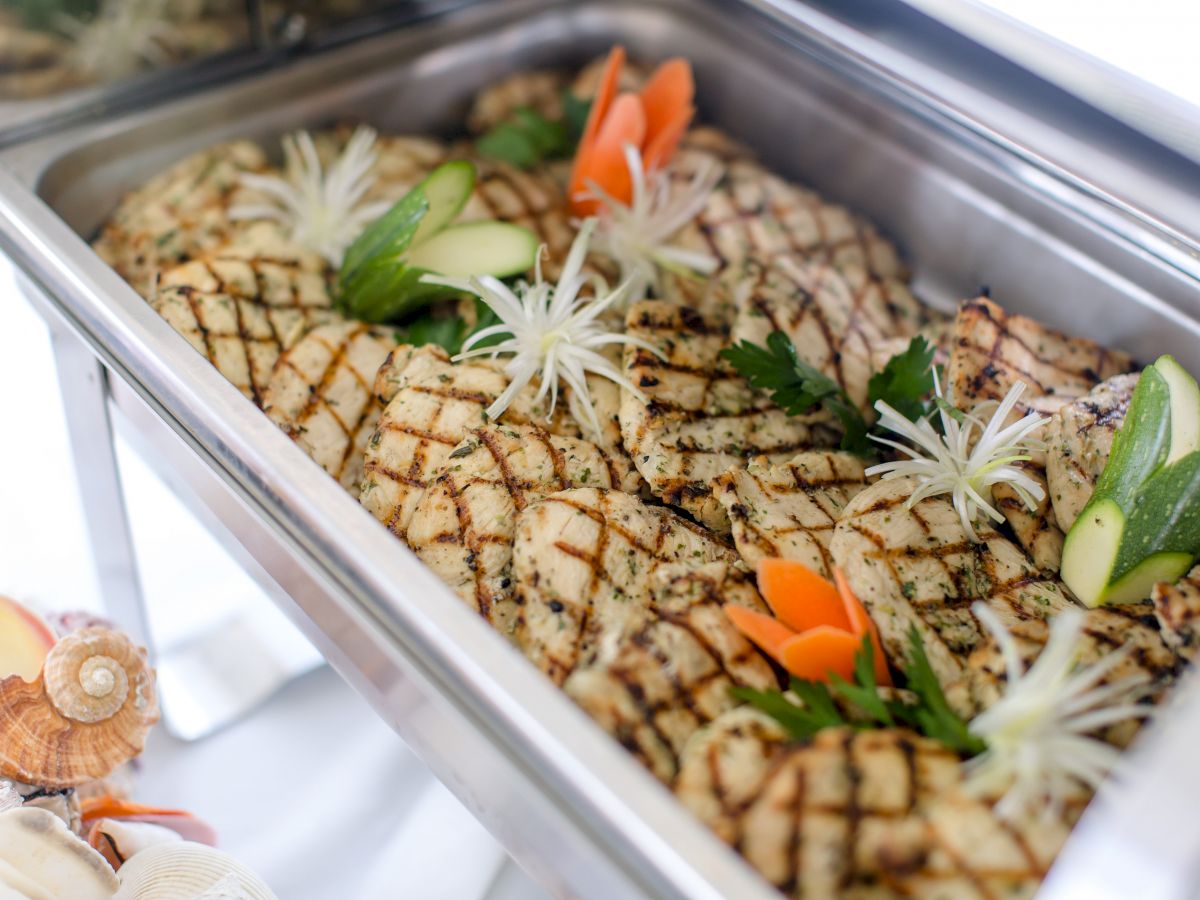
24 640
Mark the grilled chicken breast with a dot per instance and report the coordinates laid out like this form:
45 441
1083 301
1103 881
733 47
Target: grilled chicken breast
702 417
242 306
1177 608
321 395
917 568
753 214
1078 442
789 509
651 687
991 352
866 814
837 319
434 406
585 561
464 524
179 214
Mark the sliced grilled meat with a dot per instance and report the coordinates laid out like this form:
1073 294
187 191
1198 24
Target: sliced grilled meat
1078 442
179 214
917 568
434 406
464 525
584 563
539 90
244 305
1177 607
837 319
702 417
753 214
320 394
865 814
789 509
653 686
992 351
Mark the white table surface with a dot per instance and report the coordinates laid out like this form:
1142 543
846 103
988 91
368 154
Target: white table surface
312 790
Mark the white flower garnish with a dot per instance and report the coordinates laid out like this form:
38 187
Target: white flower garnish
552 331
122 38
638 236
321 210
967 459
1040 738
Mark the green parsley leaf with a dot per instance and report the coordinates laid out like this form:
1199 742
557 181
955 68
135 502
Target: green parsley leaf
864 693
932 715
801 722
796 387
526 139
929 715
447 332
906 380
575 115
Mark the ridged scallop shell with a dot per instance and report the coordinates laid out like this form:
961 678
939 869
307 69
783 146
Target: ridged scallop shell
188 871
87 713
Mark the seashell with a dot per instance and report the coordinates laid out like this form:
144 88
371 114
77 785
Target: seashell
40 857
87 713
63 802
119 839
187 871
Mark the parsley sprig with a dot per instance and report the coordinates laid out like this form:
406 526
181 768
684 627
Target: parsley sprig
929 715
798 387
527 137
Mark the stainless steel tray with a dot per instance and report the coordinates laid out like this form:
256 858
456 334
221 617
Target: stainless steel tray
967 207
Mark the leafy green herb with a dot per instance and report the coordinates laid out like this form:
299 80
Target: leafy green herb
448 332
801 722
797 387
575 115
906 380
528 138
930 715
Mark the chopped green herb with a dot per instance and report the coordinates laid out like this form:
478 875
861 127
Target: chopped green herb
528 138
906 380
797 387
930 715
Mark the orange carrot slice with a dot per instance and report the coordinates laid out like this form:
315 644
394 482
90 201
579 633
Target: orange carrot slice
821 652
605 162
861 623
669 91
769 634
606 93
662 146
799 597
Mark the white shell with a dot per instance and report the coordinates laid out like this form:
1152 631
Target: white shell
185 870
39 856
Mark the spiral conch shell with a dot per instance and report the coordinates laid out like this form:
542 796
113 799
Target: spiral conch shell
182 870
87 713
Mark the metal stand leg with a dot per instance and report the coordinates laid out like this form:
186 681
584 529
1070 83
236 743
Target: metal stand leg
82 383
220 673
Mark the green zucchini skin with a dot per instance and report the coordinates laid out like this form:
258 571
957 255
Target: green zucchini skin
1142 524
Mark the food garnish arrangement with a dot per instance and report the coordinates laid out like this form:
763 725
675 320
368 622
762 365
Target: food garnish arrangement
77 699
879 592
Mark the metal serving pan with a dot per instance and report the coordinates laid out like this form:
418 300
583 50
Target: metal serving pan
967 208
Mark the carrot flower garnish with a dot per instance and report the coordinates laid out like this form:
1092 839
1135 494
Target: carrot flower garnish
652 121
817 626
